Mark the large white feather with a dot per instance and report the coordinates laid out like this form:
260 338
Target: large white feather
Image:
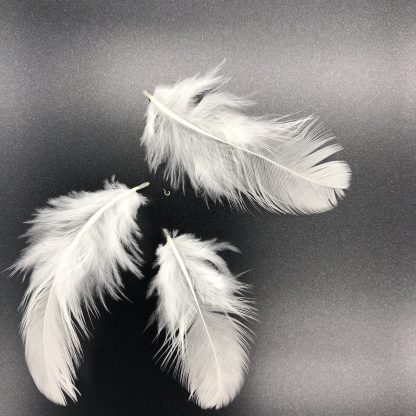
200 306
76 246
198 129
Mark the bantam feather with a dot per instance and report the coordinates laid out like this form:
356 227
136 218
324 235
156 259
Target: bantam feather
197 129
200 306
76 246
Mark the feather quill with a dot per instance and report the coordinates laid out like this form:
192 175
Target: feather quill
197 129
76 246
200 306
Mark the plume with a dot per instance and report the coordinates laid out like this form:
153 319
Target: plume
198 130
200 306
76 246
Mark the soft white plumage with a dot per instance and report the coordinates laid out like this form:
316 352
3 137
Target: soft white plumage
76 246
198 130
200 306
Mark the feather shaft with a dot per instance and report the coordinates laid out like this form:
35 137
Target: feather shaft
104 208
191 126
191 287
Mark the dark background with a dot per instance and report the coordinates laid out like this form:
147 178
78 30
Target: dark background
336 292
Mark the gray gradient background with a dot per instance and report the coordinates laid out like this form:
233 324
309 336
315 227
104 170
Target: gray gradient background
336 292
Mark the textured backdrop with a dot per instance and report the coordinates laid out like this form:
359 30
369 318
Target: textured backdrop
336 292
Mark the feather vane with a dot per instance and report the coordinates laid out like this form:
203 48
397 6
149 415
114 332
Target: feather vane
198 130
76 247
200 308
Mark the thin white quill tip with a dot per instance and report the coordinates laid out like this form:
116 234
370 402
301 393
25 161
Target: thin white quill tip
141 186
147 95
166 233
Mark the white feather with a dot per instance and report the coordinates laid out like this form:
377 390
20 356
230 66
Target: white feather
200 305
198 129
76 246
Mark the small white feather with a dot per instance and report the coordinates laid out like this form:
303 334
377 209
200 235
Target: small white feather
200 306
198 130
76 246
